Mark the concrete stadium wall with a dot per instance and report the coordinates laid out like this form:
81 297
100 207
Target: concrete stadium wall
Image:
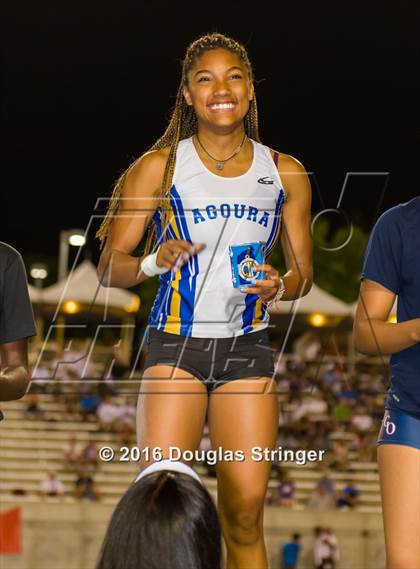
68 536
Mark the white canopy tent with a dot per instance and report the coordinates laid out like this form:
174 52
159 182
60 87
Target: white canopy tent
81 289
82 286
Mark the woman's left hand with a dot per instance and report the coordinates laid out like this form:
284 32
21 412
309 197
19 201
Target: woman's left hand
266 288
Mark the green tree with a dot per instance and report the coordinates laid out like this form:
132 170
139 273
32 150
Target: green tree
338 271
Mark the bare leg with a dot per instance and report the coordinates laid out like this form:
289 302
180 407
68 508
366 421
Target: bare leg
399 469
171 411
243 414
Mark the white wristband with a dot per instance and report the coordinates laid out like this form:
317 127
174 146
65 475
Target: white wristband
280 292
149 266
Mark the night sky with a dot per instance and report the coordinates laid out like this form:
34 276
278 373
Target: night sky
88 87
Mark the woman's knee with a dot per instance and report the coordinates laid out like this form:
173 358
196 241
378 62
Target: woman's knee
243 523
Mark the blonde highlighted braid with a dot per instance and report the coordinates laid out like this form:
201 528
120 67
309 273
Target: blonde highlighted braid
183 124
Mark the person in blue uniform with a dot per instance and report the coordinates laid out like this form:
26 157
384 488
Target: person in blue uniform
210 181
392 270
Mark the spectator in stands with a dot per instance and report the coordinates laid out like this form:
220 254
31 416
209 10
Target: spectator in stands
331 375
361 420
16 325
290 552
51 486
326 551
349 496
89 403
86 488
342 413
33 409
326 483
107 414
313 407
285 490
72 454
165 520
321 499
89 457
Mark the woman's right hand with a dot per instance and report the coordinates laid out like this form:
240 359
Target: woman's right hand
174 253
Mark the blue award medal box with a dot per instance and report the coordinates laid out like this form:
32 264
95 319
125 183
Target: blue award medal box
243 259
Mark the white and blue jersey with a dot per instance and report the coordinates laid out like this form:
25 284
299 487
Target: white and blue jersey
200 300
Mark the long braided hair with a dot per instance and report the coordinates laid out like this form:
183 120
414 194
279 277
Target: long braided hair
183 124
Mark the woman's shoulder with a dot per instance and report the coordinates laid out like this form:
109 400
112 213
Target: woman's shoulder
288 166
153 158
287 163
148 169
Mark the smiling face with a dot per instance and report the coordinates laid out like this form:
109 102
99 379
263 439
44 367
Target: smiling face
219 88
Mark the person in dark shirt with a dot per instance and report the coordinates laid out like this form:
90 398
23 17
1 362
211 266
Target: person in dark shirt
392 269
349 496
16 325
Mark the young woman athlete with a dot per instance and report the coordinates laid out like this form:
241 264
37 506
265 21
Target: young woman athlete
392 268
209 184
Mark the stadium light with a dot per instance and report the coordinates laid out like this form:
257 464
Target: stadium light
317 319
71 307
68 237
77 240
39 272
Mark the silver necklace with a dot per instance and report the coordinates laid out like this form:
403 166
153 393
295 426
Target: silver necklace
220 163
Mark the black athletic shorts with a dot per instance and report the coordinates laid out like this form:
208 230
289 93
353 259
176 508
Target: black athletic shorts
214 361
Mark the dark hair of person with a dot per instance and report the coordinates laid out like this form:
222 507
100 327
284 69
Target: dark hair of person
166 520
182 124
317 531
296 536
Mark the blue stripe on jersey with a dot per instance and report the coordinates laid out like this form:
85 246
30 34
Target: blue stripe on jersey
162 303
277 218
158 312
248 313
160 300
167 308
162 308
186 291
165 304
